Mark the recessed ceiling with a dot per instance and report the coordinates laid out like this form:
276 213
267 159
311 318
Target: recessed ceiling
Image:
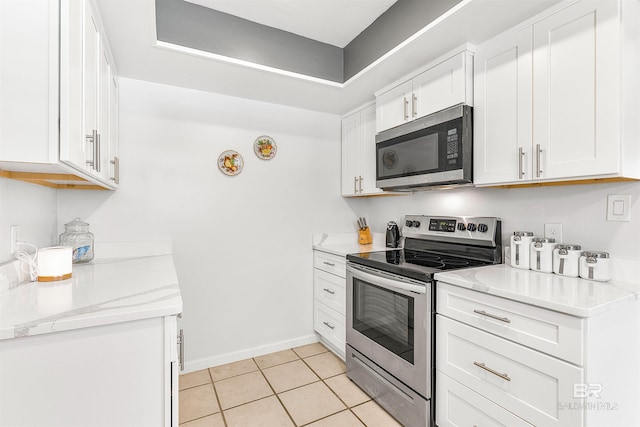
335 22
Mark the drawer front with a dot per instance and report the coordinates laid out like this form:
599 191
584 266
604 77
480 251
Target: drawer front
330 324
329 289
553 333
534 386
330 263
459 406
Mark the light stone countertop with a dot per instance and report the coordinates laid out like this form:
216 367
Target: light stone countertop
101 292
342 244
569 295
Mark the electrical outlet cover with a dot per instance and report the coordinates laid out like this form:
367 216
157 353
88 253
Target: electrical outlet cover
553 231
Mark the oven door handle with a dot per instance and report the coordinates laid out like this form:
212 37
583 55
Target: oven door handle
387 283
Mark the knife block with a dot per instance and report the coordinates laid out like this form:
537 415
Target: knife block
364 236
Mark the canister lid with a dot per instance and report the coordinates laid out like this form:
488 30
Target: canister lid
595 254
569 247
523 233
544 240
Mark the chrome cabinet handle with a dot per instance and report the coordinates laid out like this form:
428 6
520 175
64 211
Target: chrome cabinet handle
329 325
520 160
355 184
329 291
360 184
181 344
414 103
538 164
330 264
92 139
116 170
493 316
406 108
98 154
494 372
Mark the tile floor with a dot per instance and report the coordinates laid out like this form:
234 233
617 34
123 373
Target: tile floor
303 386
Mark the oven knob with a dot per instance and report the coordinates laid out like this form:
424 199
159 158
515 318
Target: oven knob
482 228
416 223
471 227
408 223
461 226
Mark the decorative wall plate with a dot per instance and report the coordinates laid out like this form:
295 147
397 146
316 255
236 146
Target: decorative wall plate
230 162
265 147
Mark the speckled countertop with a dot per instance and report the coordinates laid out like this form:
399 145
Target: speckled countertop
569 295
99 293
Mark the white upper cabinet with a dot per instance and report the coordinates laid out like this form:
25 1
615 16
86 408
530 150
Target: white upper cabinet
445 82
70 72
359 153
549 96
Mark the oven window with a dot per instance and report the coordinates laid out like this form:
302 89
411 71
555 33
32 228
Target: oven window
385 317
412 157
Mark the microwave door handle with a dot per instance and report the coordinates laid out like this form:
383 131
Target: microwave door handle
387 283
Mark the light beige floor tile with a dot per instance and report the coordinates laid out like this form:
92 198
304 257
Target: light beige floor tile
311 402
310 349
289 375
326 364
341 419
232 369
346 390
214 420
266 412
197 402
194 379
241 389
274 359
374 416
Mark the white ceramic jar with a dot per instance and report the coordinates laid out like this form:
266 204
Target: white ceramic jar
541 254
594 265
566 260
520 243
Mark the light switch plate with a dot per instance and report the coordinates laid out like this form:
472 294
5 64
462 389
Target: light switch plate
619 207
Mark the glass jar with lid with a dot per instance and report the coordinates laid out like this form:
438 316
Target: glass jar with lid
78 237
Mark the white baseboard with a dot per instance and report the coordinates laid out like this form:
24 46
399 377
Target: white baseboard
196 365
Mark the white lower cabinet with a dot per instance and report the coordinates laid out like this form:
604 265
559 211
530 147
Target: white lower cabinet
329 300
124 374
503 362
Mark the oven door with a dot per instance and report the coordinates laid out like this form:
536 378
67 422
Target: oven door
389 322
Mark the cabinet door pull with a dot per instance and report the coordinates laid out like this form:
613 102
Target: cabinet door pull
181 344
414 105
330 264
538 164
493 316
330 326
488 369
92 139
360 184
406 108
98 160
355 185
329 291
116 170
520 166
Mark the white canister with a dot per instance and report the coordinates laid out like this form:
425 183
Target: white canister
541 254
566 260
594 265
520 242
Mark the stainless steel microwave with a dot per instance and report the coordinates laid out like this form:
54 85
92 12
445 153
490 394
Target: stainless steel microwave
433 150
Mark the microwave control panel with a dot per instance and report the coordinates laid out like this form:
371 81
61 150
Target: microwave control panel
452 146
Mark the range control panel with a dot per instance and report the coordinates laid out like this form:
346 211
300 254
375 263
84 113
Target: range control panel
467 228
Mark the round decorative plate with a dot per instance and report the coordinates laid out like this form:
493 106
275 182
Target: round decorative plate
265 147
230 162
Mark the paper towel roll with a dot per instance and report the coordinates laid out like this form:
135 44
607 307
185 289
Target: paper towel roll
54 263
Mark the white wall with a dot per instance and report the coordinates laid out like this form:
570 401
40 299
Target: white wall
242 245
581 209
31 206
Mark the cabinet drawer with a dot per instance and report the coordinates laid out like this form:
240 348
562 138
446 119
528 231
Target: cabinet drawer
457 405
329 289
330 263
330 324
553 333
532 385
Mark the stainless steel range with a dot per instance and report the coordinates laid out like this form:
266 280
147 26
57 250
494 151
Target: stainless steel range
390 308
